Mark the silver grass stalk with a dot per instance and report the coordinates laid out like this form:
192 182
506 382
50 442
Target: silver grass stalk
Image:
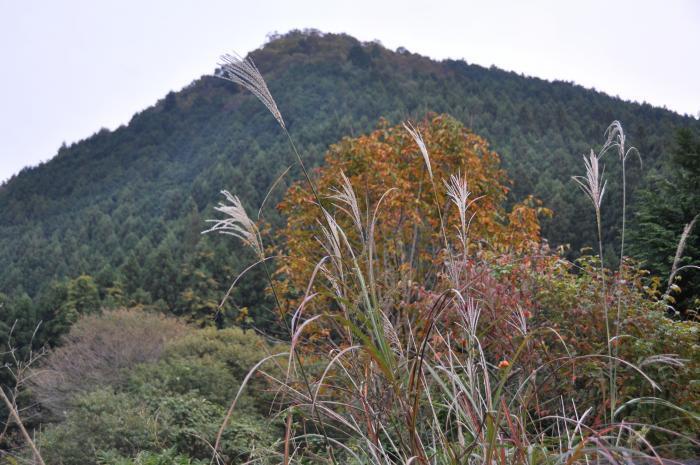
453 270
243 71
335 285
593 185
330 242
415 134
687 229
471 311
421 145
616 139
331 234
237 223
391 334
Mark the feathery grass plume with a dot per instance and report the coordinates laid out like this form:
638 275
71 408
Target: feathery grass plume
237 223
470 312
331 244
415 133
687 229
243 71
347 202
459 194
593 184
616 138
518 321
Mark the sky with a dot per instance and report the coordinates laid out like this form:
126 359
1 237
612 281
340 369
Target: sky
72 67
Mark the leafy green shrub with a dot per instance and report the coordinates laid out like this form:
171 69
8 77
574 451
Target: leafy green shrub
208 378
119 423
237 350
569 302
166 457
101 420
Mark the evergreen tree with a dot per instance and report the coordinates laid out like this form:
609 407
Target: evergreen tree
82 296
663 212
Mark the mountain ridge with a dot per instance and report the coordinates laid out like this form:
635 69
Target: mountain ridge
399 49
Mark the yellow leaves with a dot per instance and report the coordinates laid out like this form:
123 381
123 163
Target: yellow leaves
188 295
243 316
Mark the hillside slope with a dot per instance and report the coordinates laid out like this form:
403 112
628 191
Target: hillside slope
127 206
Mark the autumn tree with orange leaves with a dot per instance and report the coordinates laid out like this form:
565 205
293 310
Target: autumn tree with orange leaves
401 208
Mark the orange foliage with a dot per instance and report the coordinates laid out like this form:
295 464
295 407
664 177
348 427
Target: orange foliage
408 242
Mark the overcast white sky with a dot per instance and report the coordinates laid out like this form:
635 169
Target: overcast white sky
72 67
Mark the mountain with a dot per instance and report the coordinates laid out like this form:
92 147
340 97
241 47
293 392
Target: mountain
118 216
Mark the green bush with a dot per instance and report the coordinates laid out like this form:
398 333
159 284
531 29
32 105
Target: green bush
166 457
207 378
239 351
667 351
121 424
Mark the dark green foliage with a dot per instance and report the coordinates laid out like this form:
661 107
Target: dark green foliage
17 324
237 350
82 297
662 211
127 206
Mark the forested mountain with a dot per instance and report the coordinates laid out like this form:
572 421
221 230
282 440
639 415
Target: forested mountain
116 219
